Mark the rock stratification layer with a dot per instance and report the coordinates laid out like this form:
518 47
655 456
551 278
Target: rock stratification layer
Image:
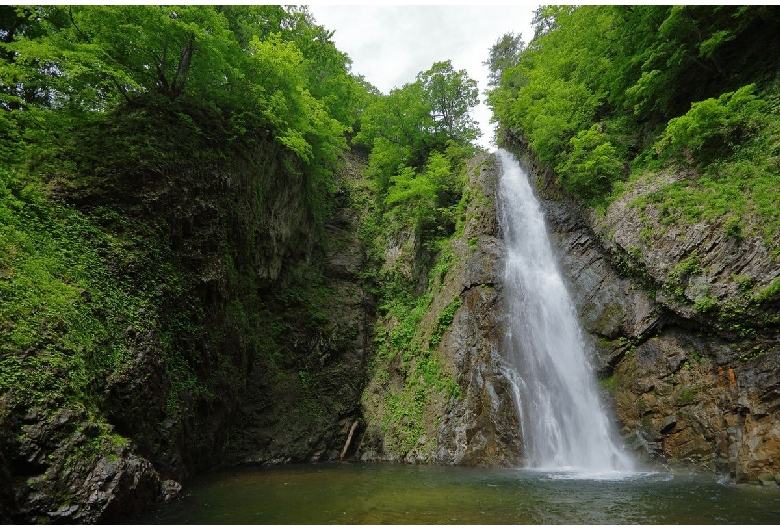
684 329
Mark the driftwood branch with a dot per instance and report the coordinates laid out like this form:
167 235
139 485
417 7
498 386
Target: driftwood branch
349 440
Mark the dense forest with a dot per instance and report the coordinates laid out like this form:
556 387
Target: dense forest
186 191
604 94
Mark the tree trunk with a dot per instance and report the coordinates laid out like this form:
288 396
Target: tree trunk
180 79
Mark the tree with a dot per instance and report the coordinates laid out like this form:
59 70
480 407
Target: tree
405 127
25 68
603 88
397 128
427 197
591 167
546 19
713 127
505 53
167 49
450 95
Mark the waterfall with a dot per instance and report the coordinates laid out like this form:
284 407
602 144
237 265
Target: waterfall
563 422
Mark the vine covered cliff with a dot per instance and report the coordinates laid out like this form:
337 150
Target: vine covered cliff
437 393
164 204
191 216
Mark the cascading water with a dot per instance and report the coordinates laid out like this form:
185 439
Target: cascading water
564 424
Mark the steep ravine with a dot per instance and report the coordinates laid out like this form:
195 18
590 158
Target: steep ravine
255 345
683 323
216 300
437 395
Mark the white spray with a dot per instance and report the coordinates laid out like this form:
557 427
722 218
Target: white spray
563 421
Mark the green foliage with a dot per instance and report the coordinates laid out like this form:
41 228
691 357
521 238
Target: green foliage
430 115
713 127
504 54
419 137
688 395
400 337
449 95
552 93
705 303
424 115
404 419
263 68
415 193
610 383
425 199
743 281
444 322
687 267
770 292
677 55
604 90
737 189
592 166
143 152
11 137
428 370
63 314
396 126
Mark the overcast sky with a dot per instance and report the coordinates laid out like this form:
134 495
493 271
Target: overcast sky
390 45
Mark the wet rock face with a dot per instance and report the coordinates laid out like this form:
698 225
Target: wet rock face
478 426
302 394
687 386
7 501
482 428
81 483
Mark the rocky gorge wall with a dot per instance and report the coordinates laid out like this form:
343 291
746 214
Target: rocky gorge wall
683 323
302 396
439 396
167 368
254 345
212 286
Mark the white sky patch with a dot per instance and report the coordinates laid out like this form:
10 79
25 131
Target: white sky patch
390 45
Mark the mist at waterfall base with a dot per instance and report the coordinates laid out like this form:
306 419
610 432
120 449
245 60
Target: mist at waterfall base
564 423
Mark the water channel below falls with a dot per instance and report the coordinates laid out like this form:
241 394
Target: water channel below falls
373 493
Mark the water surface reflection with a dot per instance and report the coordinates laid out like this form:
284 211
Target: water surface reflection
357 493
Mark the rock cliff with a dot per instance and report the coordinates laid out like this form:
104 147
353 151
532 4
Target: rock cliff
302 395
684 326
246 337
212 285
440 397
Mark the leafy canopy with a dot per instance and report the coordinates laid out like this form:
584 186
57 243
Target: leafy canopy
594 90
604 93
267 70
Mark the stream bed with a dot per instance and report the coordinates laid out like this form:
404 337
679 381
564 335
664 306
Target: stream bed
374 493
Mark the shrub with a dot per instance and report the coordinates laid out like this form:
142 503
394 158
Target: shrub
592 166
712 127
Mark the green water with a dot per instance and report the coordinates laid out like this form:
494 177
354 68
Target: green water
352 493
